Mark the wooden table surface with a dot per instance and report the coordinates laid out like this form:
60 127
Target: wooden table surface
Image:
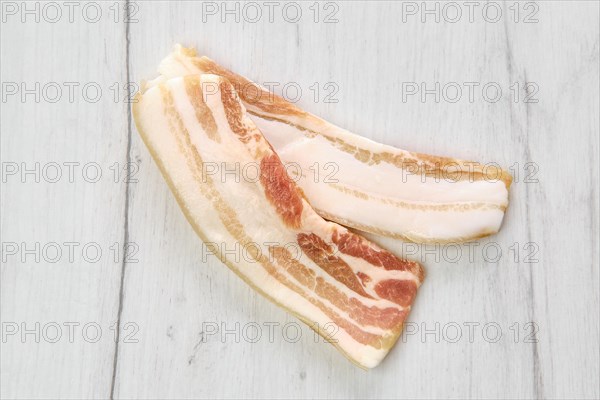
107 292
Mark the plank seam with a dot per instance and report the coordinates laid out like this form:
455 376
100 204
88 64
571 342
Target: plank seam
127 194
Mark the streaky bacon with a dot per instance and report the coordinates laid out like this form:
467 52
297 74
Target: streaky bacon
315 269
375 188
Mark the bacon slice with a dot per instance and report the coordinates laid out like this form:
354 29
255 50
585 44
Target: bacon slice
373 187
351 291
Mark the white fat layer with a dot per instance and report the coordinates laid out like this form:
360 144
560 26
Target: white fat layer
246 198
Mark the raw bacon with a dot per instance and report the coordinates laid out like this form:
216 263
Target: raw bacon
352 292
376 188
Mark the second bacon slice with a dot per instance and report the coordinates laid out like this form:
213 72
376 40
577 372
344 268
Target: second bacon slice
354 293
366 185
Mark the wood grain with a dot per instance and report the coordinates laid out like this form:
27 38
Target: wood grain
542 292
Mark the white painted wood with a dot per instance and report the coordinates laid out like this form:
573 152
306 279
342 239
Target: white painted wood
175 294
78 209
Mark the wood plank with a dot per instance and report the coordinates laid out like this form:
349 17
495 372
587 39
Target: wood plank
371 57
89 130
